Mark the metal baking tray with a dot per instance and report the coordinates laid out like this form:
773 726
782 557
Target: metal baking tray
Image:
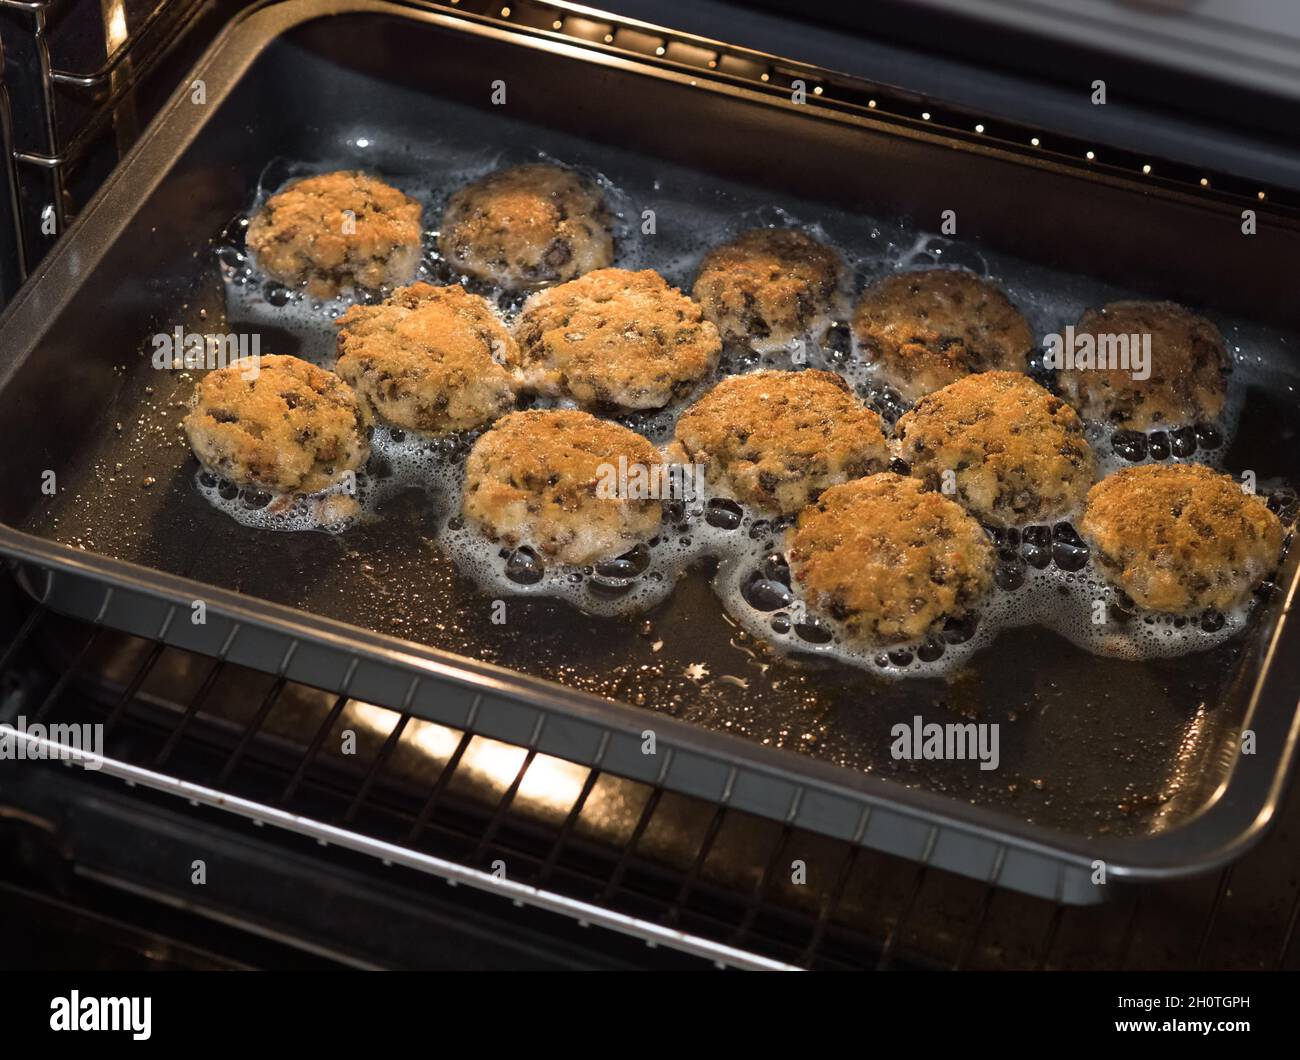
1132 764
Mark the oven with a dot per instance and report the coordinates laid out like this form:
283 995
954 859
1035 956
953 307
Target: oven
353 798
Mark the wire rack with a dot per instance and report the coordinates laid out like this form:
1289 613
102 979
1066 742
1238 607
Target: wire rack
600 850
73 100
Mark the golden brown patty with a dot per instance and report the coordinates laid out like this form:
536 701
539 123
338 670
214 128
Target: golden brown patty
429 359
1188 365
289 428
615 338
528 226
336 231
889 560
1180 537
543 479
1017 454
930 327
770 286
777 439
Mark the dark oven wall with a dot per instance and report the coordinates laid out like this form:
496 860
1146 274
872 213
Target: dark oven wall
316 89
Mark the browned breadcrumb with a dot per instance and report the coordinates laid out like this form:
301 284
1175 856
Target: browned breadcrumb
769 286
1189 364
889 560
929 327
528 226
536 479
430 359
615 338
1017 453
336 231
777 439
289 428
1180 537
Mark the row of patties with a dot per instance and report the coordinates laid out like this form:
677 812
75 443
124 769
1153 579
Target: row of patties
621 339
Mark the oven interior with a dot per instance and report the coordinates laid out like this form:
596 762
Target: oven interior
345 79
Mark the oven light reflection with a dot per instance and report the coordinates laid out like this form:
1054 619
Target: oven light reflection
549 783
1191 761
114 25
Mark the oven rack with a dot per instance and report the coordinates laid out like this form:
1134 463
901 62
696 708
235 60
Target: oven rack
423 801
70 107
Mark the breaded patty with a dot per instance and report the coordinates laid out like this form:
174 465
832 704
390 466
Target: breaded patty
542 479
615 338
1180 537
335 231
430 359
928 328
770 286
777 439
889 560
289 428
1017 453
1188 364
528 226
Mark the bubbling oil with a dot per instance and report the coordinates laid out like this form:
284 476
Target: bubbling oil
1078 604
1045 574
333 510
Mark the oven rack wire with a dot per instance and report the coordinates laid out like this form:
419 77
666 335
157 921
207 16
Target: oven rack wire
604 852
69 109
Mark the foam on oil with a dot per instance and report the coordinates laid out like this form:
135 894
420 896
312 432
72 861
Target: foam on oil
669 229
1078 604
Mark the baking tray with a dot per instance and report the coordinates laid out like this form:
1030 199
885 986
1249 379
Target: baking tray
1134 765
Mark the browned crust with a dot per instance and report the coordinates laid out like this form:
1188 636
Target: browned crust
889 560
291 428
1181 537
615 338
535 479
528 226
430 359
777 439
929 327
305 236
769 286
1017 453
1189 365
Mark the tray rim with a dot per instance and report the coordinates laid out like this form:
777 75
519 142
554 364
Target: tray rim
1244 804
